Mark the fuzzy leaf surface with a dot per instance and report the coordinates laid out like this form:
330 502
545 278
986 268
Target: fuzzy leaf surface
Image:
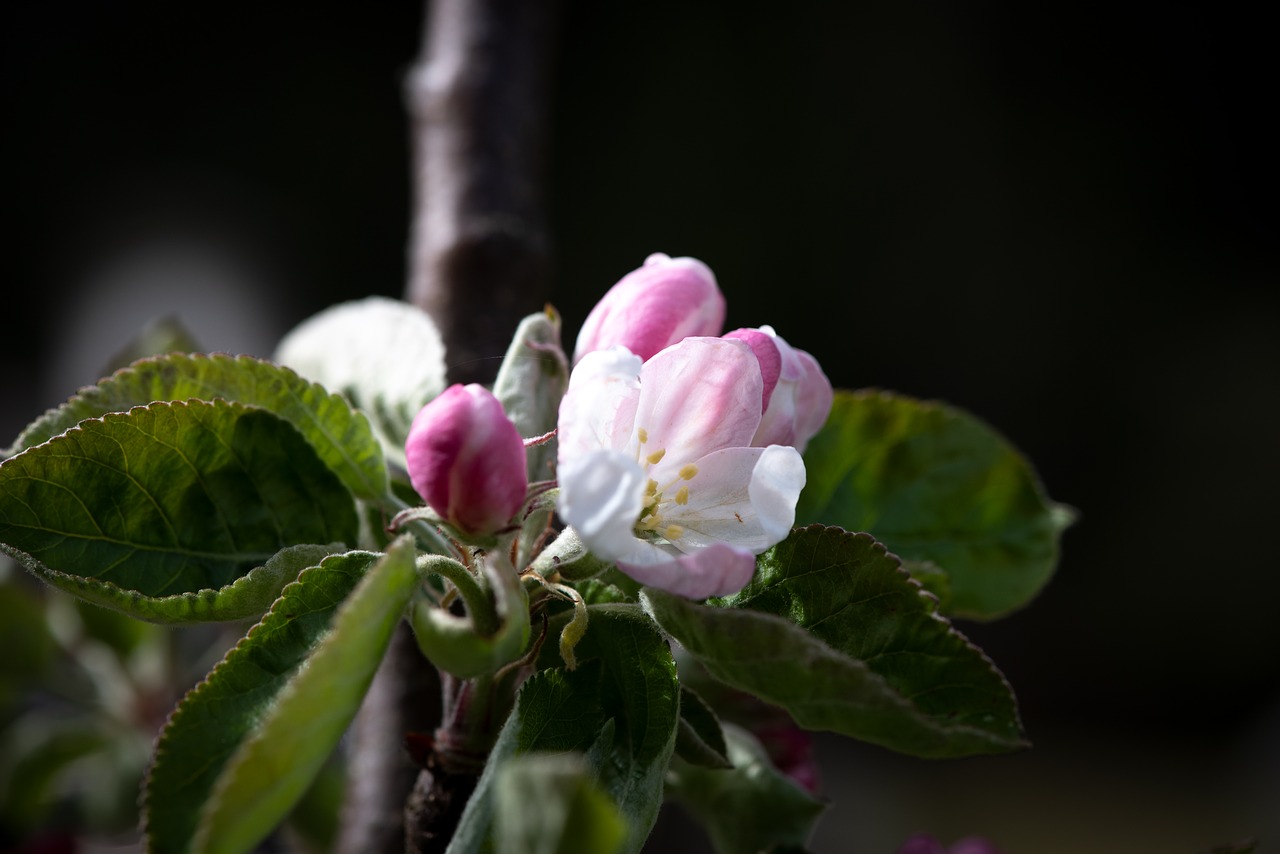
221 712
340 435
620 707
273 766
936 484
384 355
168 499
837 633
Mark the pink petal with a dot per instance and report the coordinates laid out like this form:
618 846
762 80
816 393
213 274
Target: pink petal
663 302
766 352
717 570
696 397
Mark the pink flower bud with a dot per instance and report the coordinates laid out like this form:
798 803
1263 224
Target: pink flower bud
649 309
467 460
798 402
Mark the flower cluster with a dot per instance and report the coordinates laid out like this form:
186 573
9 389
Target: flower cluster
680 453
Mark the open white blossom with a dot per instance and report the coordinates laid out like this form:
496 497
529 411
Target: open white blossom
657 471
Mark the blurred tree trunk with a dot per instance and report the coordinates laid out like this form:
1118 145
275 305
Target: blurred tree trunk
479 260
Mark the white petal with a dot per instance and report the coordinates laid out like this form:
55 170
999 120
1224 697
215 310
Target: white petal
775 488
719 507
601 496
718 570
598 408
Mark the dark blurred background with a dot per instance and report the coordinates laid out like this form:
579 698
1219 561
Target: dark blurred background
1060 218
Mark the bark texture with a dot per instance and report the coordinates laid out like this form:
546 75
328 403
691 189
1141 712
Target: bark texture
479 261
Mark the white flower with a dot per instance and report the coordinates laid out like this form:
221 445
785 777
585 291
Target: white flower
657 471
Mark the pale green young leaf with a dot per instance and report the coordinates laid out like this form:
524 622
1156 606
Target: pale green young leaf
222 711
341 436
530 383
936 484
273 766
168 499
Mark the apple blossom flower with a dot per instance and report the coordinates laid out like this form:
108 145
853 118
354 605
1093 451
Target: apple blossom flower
660 304
657 471
797 395
467 460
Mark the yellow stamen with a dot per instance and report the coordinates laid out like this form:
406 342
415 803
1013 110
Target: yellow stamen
643 434
682 495
656 457
688 472
651 488
673 532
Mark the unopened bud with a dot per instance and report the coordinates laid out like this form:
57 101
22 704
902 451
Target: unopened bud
649 309
467 460
798 402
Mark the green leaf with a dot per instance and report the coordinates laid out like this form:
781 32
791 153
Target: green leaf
167 499
222 711
530 384
699 739
161 335
456 643
272 768
932 578
340 435
936 484
836 632
750 808
620 707
384 355
549 804
247 597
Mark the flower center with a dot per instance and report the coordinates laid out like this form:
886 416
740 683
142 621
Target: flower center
660 498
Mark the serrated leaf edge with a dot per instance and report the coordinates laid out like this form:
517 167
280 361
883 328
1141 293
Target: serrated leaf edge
85 394
159 749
